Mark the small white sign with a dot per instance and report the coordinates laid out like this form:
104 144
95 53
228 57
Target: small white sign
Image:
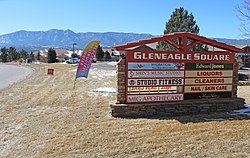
154 98
155 74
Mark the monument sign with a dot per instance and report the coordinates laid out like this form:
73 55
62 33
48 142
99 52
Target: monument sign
152 82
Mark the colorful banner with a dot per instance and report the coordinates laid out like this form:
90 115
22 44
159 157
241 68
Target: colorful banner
155 74
86 59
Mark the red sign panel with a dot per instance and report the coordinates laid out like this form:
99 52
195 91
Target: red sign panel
193 57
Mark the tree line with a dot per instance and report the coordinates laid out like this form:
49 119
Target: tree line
101 55
11 54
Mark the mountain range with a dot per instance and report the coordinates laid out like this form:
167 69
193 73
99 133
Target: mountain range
35 40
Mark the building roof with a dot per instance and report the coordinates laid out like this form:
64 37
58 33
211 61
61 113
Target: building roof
189 40
60 52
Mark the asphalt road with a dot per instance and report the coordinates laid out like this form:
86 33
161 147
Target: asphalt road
10 74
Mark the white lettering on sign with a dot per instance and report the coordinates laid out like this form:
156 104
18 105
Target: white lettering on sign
164 56
211 57
155 82
154 98
210 66
181 56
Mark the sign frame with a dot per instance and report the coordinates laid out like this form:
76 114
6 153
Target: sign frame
147 56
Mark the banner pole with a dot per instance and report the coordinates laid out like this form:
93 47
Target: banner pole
74 83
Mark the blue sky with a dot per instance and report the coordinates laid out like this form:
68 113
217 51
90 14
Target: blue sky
215 18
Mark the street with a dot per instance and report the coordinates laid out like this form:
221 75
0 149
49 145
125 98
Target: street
10 74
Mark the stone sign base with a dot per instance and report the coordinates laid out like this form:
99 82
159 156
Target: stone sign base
175 108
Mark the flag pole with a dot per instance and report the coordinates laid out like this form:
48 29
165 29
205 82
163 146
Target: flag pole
74 83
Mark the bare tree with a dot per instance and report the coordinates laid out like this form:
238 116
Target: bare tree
244 16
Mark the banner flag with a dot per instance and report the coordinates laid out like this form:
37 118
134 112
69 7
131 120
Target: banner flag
86 59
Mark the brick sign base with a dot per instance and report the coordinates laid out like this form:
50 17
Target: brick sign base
119 108
175 108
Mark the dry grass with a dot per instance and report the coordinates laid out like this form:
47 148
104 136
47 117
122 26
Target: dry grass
45 117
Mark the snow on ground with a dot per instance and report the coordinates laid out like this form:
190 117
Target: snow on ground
215 119
103 91
245 111
112 63
100 74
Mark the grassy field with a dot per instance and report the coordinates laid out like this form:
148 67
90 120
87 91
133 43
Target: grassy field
44 116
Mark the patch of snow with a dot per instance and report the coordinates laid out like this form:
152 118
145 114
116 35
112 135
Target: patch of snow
105 89
113 63
92 94
214 119
74 70
69 52
37 62
115 52
102 74
11 94
245 111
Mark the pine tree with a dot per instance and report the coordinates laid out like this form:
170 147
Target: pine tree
74 55
51 55
32 56
23 53
13 54
180 21
4 54
107 56
99 53
38 55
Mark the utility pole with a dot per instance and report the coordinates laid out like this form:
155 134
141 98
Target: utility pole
73 54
